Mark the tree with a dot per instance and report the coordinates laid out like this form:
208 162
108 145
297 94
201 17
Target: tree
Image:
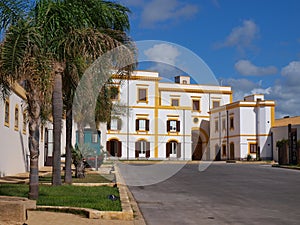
79 33
22 60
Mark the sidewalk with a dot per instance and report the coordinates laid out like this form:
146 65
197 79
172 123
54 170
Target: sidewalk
58 218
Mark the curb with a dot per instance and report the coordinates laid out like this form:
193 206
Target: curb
125 214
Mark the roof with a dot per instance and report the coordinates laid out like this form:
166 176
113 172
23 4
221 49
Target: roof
286 121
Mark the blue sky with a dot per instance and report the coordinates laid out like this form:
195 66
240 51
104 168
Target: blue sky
251 45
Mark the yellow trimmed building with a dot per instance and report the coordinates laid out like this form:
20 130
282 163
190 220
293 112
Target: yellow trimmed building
242 129
164 120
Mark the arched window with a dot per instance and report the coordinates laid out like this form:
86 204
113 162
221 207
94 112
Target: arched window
173 149
142 149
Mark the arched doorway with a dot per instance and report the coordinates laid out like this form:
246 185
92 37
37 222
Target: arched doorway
196 145
173 149
114 148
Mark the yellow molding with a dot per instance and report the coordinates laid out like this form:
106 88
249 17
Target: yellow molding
125 77
19 90
195 90
157 100
153 135
172 115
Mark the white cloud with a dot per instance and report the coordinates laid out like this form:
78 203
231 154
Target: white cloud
292 73
285 91
245 67
162 53
241 37
157 11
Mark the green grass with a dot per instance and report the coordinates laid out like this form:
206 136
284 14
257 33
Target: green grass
68 195
89 178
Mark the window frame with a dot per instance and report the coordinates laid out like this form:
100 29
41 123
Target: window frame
24 122
216 101
231 122
6 112
146 95
177 126
138 127
175 99
199 108
216 125
255 148
17 117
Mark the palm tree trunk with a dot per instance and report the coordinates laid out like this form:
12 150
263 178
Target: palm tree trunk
57 111
68 163
34 137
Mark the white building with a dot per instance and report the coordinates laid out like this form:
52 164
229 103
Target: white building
280 131
164 120
242 128
14 150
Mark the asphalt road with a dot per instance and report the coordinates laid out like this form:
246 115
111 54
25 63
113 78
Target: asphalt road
222 194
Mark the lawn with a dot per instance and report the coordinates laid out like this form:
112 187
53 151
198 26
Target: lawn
68 195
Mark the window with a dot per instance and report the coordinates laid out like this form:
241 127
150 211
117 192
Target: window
17 117
231 122
223 124
196 105
184 81
224 150
114 93
142 149
24 122
216 104
115 124
253 148
216 125
173 148
142 94
6 116
94 137
173 126
142 125
175 102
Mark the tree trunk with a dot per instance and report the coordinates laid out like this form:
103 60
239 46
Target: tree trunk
57 111
34 138
80 169
68 163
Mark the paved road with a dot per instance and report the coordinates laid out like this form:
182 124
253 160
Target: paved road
222 194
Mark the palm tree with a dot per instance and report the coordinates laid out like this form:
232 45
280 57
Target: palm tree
77 33
22 60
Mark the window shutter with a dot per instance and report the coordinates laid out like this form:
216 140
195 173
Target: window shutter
119 154
178 150
108 146
178 126
147 149
147 125
168 125
119 124
167 150
137 125
137 149
108 125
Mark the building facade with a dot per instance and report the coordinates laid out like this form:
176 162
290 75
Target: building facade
14 150
242 129
163 120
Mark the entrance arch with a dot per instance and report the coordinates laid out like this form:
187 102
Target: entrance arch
114 148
